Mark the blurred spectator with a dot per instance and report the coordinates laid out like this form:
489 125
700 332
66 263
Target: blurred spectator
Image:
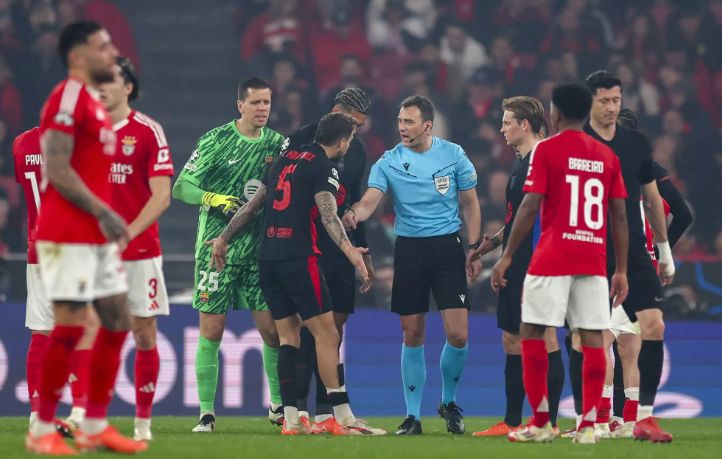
42 15
286 75
482 103
10 40
640 96
642 44
525 22
416 81
568 34
340 33
11 107
353 75
462 54
510 66
494 203
399 26
6 154
37 72
437 69
277 31
245 12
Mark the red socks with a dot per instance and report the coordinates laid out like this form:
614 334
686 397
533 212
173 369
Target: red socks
55 368
630 410
147 366
593 372
79 374
33 364
535 364
104 361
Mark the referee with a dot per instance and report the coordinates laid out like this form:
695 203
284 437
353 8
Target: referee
339 272
428 178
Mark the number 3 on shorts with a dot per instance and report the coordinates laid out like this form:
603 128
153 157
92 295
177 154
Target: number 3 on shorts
211 278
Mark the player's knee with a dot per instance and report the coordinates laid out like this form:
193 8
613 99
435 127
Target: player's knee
145 338
653 329
457 338
413 336
511 343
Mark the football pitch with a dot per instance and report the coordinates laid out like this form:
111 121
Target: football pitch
246 437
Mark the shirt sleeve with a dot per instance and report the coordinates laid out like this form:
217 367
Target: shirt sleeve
538 174
378 177
617 189
326 179
646 171
159 158
64 109
465 172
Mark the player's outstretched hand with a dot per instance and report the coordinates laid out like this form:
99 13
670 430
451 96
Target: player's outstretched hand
349 220
371 273
356 256
229 205
473 266
666 273
218 254
619 290
114 228
487 245
497 273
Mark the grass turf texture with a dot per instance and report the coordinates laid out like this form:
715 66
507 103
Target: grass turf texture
244 437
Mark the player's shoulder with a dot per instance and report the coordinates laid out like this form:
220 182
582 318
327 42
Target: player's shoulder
632 137
222 130
273 136
144 120
447 146
27 142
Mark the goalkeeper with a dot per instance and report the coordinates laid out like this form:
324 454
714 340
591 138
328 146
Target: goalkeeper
222 174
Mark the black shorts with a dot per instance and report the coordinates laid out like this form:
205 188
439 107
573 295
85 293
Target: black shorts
424 265
508 311
341 280
294 286
645 288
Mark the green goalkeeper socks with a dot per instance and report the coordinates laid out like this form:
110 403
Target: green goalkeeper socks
207 372
270 364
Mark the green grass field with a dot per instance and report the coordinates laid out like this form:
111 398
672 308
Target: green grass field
243 438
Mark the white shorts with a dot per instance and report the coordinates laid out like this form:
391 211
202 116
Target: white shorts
81 272
621 325
38 310
582 300
147 295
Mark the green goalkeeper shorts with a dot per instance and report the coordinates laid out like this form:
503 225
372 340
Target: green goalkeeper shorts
236 287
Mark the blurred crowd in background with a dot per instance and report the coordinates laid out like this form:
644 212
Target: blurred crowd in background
466 55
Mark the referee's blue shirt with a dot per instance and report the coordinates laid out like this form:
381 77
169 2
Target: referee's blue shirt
425 187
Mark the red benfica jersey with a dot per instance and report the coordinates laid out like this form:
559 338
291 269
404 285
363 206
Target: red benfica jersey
73 108
142 153
648 230
577 176
28 161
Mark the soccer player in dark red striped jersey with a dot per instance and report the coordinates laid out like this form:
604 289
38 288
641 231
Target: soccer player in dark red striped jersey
303 185
644 303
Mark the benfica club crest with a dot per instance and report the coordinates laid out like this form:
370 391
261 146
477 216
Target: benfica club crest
128 142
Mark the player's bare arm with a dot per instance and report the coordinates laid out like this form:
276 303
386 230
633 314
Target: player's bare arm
362 210
326 203
523 223
489 243
157 204
472 220
655 213
620 234
240 219
57 148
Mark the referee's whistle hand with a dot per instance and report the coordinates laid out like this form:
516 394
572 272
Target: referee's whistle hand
349 220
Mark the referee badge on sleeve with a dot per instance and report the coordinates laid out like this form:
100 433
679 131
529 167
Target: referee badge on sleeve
442 184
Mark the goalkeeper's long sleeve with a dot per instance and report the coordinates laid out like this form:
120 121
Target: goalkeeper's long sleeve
188 192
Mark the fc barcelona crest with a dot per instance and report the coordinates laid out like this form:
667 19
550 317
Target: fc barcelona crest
128 144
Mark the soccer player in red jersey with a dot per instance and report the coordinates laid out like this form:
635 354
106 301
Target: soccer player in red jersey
140 178
574 179
78 238
39 312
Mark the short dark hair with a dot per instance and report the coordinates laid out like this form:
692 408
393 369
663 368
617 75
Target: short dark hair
127 70
526 108
602 79
573 100
75 34
544 129
332 128
627 118
353 99
251 83
425 106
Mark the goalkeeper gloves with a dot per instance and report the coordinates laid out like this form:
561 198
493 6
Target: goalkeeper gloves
229 205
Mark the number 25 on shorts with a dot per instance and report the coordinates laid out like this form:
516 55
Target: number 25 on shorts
208 281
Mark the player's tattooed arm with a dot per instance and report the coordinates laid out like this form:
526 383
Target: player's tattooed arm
245 214
57 149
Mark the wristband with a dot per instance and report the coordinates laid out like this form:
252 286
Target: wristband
474 246
350 209
665 252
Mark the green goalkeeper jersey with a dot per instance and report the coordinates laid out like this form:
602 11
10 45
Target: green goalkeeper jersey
229 163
